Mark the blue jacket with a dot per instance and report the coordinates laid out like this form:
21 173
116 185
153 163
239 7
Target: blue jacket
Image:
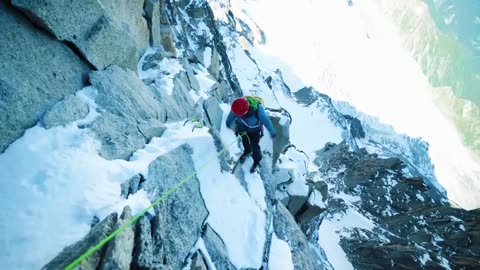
252 120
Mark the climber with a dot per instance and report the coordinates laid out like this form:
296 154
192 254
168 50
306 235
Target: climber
249 115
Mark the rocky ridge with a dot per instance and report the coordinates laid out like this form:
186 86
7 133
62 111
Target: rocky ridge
98 44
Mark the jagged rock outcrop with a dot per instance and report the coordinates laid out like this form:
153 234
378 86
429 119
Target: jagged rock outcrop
214 113
278 84
313 206
281 121
71 253
177 102
143 256
118 253
194 84
69 109
453 232
37 71
351 126
130 110
130 186
152 13
181 215
287 230
227 72
197 262
122 93
181 95
166 30
303 197
89 26
306 96
416 227
387 189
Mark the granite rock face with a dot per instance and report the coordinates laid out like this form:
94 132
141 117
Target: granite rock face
37 72
71 253
132 114
69 109
89 26
118 253
287 229
181 215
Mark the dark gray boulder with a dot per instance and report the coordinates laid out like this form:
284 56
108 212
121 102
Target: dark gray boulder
295 203
306 96
313 207
37 71
68 110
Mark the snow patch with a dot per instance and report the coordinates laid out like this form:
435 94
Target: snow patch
329 240
315 198
207 56
425 258
88 95
280 255
59 179
205 82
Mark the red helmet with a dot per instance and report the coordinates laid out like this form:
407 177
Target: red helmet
240 106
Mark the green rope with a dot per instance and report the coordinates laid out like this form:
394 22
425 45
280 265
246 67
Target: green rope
137 216
248 137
